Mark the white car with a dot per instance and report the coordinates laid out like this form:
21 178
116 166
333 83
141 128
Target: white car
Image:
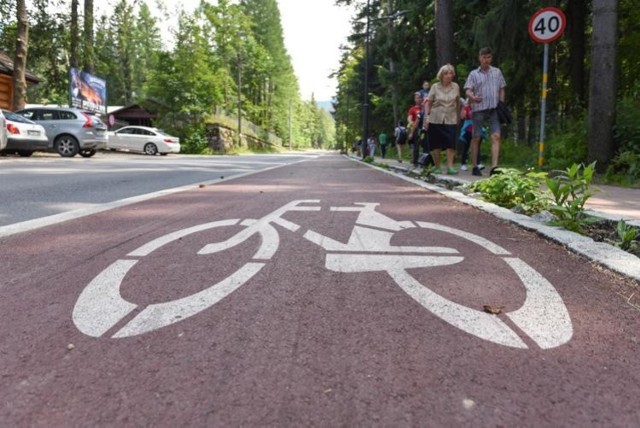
3 132
24 136
143 139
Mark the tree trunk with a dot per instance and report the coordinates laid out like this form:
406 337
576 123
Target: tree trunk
73 46
577 21
88 36
392 69
602 87
444 32
20 62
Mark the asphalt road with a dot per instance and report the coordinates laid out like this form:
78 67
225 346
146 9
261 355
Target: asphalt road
48 184
321 293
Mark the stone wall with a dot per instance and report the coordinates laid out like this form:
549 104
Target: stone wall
223 139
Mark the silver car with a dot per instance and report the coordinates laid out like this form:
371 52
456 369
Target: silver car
24 135
70 131
3 132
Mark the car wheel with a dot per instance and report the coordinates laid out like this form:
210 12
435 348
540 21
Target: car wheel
150 149
25 153
66 146
87 153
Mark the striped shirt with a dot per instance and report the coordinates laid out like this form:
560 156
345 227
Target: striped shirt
486 84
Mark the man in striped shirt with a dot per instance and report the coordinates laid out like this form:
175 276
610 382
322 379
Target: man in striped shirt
485 87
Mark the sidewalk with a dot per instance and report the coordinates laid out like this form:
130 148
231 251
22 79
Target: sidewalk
610 202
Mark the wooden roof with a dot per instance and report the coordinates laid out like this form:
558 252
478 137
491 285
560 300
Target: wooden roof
6 67
133 111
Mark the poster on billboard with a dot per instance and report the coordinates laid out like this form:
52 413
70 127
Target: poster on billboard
88 92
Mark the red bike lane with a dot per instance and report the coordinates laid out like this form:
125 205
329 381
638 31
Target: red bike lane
321 293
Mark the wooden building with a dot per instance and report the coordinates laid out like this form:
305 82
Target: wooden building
6 80
134 114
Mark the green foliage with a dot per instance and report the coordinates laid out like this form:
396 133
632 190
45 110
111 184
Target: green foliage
514 189
512 153
195 141
627 235
427 172
624 169
570 191
228 57
369 159
627 128
567 145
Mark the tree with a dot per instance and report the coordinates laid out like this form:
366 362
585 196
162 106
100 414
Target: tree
73 37
122 32
148 45
20 62
576 23
274 83
87 37
444 32
602 87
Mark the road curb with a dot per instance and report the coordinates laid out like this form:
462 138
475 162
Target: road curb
601 253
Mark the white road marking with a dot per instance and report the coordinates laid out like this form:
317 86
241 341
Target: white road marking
350 263
543 315
484 243
100 305
364 239
480 324
160 315
146 249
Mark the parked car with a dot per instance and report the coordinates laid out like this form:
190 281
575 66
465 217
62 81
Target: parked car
143 139
69 130
24 135
3 132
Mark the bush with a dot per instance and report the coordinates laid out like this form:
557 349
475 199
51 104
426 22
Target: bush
568 146
571 189
624 169
514 189
626 133
512 153
195 141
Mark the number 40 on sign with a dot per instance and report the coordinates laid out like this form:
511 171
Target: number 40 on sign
545 26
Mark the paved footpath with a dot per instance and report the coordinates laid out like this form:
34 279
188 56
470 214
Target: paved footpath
612 202
324 293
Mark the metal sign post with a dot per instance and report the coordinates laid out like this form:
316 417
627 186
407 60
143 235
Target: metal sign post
545 26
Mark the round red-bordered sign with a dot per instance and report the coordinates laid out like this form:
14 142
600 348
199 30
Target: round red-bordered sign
546 25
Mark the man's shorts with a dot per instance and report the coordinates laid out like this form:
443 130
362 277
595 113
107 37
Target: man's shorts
479 118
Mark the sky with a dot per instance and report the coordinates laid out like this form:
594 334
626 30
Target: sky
313 32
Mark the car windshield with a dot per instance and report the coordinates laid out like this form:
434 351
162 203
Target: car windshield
16 117
161 132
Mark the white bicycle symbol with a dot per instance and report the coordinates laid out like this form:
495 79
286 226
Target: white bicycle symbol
543 315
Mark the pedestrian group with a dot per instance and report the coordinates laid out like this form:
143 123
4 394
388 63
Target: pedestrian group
437 111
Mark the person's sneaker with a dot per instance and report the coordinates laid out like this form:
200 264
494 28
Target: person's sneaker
452 171
480 166
463 167
399 160
436 170
495 171
476 171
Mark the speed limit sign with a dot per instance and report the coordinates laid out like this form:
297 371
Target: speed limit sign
547 24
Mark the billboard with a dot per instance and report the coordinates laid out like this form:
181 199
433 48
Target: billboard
87 91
